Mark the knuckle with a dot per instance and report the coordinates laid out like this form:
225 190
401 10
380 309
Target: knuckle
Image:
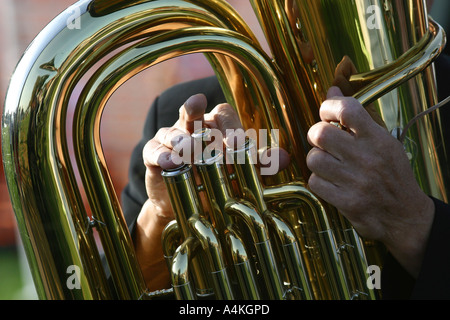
171 131
225 108
319 134
348 108
345 110
227 114
160 134
149 148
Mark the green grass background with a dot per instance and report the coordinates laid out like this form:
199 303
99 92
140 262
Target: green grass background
15 283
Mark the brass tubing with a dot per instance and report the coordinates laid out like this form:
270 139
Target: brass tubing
359 264
188 212
243 270
334 265
299 283
41 181
252 190
256 226
298 191
46 201
186 205
38 97
426 51
183 195
218 188
212 249
182 285
170 240
244 160
329 247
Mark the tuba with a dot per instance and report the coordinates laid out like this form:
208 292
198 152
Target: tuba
255 237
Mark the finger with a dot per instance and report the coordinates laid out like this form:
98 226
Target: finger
156 154
344 70
173 138
324 165
224 118
324 189
191 113
274 158
348 112
344 85
331 139
156 189
334 92
376 116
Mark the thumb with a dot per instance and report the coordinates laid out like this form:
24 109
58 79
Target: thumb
334 92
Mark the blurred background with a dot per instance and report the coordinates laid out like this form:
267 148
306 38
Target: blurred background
20 22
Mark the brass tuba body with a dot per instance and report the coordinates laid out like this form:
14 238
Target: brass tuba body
257 237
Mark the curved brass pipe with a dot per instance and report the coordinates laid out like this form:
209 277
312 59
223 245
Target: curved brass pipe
241 261
212 249
259 234
171 239
300 287
410 64
181 282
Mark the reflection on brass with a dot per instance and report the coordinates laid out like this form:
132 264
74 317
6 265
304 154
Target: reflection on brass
257 237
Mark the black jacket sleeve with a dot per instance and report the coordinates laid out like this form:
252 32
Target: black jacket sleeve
433 282
434 278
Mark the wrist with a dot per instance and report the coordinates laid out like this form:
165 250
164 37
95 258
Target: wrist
152 219
408 243
149 227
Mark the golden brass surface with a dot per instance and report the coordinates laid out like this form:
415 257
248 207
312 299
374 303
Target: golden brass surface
258 237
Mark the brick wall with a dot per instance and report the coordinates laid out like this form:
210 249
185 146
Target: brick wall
20 22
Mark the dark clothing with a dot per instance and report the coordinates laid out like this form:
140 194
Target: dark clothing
433 282
434 279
